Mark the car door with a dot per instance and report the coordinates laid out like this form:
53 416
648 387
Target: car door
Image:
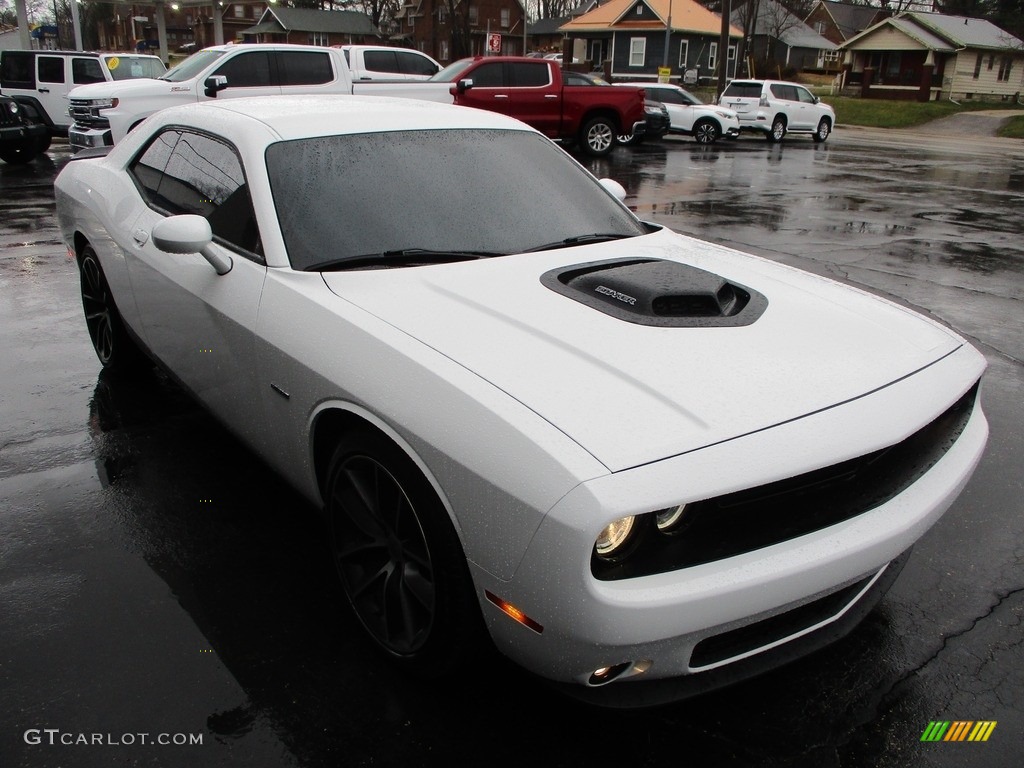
198 323
304 72
680 110
810 112
248 74
784 99
490 88
533 97
52 87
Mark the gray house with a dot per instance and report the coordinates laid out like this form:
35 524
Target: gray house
306 26
775 36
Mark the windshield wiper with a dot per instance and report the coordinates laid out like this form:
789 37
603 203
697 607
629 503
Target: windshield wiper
596 237
405 257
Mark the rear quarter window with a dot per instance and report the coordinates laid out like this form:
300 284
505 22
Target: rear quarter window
302 68
16 70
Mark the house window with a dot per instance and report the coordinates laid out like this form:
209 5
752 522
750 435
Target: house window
442 14
639 10
977 65
474 15
991 61
1005 63
712 56
637 51
504 18
238 10
318 38
442 50
684 52
819 27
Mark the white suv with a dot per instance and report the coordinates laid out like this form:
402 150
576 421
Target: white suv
776 108
689 115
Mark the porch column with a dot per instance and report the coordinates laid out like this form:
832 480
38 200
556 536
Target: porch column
925 92
865 85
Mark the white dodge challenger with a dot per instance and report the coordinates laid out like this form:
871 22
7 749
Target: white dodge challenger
622 454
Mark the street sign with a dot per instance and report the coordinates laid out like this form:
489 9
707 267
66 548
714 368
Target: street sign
494 43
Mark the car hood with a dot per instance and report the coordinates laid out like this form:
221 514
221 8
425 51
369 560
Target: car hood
629 393
124 88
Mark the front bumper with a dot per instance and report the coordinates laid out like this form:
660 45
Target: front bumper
80 137
723 620
23 131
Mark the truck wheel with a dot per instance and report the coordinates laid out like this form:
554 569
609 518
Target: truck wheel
19 152
598 136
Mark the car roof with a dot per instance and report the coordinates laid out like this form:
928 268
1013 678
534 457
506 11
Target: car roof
297 117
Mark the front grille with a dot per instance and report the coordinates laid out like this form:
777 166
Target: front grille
82 114
768 514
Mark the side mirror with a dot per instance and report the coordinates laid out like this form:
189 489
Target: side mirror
214 84
616 189
464 84
189 233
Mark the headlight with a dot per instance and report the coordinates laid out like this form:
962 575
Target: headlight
614 536
13 106
724 115
103 103
669 519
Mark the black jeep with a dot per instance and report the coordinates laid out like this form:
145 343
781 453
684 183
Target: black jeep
23 136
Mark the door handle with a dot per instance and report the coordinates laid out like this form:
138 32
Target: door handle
44 90
501 96
550 95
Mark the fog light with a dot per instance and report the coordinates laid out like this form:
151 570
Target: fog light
614 536
604 675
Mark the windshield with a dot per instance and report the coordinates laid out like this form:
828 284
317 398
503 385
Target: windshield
192 66
123 67
452 72
466 191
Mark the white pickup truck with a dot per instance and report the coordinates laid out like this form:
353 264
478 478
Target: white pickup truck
369 63
103 113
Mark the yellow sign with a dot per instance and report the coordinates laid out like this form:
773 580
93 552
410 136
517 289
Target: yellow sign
664 74
112 63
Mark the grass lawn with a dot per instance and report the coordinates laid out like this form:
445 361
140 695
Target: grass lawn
1014 129
879 113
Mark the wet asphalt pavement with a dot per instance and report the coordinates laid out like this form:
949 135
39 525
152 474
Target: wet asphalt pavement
156 579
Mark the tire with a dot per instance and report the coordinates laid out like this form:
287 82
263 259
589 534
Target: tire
706 131
43 143
778 130
822 131
115 349
597 137
19 152
398 557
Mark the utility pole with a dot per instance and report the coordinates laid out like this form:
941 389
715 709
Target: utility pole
723 48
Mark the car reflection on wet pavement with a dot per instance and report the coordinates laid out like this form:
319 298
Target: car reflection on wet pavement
156 579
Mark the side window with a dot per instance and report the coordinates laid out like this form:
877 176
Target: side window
666 96
787 92
411 64
16 70
528 75
304 68
50 69
489 75
184 172
381 61
247 70
804 95
148 168
84 71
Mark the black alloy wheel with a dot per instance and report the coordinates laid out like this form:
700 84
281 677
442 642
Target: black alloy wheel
399 560
114 347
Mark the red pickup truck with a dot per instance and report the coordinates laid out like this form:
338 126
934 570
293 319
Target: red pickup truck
532 90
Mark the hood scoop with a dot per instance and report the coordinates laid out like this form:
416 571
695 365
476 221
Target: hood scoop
660 293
